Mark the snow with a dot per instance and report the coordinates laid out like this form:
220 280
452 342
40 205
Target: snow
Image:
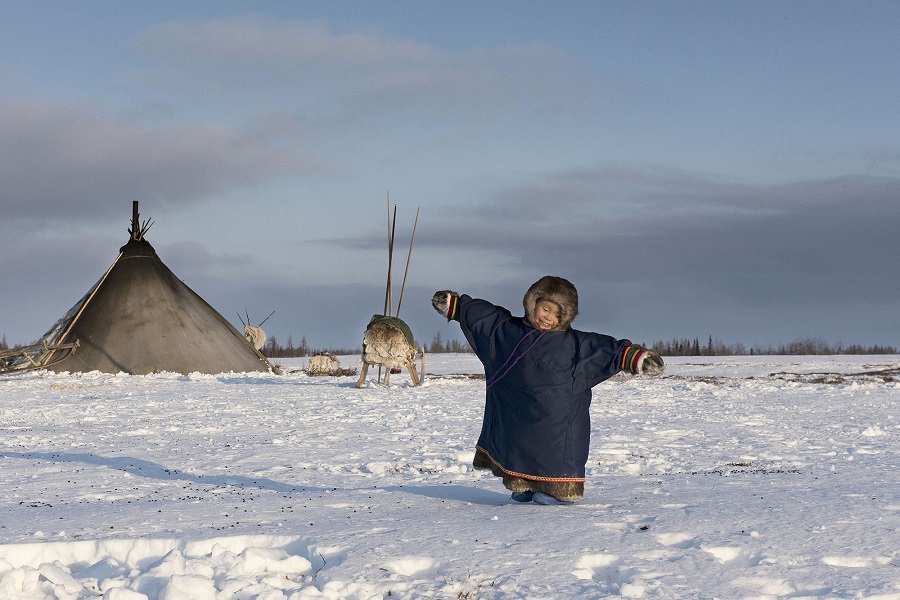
733 477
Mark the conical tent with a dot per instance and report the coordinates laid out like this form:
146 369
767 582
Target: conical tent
140 318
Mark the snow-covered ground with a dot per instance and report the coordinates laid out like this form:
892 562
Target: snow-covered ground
738 477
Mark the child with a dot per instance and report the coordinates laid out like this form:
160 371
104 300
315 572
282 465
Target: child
539 373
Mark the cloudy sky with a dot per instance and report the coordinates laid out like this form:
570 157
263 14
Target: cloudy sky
695 168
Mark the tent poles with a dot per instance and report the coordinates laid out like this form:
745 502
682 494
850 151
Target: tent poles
408 257
388 292
74 320
390 311
388 301
137 230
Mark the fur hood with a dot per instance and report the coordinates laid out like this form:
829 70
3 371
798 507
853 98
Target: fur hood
557 290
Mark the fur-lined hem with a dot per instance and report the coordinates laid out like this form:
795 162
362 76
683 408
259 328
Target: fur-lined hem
566 490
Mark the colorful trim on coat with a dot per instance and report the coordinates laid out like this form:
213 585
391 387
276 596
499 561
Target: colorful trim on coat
452 306
631 358
524 475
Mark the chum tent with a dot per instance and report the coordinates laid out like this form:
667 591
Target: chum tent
140 318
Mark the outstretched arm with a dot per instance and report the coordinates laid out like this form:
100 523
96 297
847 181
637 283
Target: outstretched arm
446 303
642 361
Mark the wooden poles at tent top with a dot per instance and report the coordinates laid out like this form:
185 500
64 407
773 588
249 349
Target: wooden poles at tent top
137 231
389 291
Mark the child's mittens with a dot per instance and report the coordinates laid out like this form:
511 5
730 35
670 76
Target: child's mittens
446 303
652 365
642 361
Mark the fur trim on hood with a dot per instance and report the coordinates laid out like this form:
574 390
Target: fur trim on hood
557 290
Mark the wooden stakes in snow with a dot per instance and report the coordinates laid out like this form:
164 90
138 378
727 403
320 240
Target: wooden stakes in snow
408 257
389 291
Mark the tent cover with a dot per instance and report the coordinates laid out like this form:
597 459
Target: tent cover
140 318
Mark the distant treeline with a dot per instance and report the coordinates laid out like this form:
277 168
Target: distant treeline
675 347
808 346
272 349
439 346
687 347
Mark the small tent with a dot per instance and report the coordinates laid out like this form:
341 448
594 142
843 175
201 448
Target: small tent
140 318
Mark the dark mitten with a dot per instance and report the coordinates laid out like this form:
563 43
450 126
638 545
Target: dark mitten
641 361
652 365
445 302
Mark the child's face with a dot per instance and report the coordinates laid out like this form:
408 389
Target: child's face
546 315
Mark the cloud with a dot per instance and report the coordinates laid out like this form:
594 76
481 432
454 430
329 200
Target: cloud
832 238
255 40
73 161
367 70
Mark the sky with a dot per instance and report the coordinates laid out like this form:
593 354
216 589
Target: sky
723 169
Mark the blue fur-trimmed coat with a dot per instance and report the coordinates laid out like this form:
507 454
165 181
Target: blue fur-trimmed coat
536 427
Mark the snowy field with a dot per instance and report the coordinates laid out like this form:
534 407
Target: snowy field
738 477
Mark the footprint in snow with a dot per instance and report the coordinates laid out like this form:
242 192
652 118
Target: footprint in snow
411 565
774 587
677 540
857 561
608 572
734 556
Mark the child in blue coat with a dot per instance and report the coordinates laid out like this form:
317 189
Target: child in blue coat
539 373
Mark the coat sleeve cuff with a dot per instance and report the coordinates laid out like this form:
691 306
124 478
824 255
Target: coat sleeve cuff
632 356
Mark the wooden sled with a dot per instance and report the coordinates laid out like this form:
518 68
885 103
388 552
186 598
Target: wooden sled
388 342
36 356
